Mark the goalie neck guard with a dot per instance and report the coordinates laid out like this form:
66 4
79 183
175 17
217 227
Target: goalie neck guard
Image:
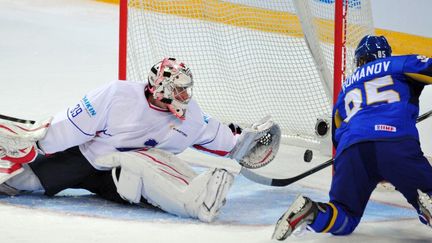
170 81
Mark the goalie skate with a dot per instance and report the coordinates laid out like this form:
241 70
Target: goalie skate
302 212
425 206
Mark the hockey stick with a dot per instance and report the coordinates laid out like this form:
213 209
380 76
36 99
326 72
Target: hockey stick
424 116
13 119
287 181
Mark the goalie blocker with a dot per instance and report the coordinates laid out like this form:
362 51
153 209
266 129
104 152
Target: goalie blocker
18 143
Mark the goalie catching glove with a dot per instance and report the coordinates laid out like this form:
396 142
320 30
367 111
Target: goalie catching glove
257 145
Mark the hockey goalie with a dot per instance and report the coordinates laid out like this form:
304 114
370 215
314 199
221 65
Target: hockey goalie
120 142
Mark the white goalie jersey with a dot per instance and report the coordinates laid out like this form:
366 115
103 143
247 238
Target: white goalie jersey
118 117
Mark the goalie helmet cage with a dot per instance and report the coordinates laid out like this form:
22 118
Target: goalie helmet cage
251 58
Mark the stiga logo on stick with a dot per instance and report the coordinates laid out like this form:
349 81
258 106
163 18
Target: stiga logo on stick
88 106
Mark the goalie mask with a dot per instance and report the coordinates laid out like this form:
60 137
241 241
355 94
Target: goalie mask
170 81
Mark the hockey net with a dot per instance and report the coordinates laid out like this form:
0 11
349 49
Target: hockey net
249 58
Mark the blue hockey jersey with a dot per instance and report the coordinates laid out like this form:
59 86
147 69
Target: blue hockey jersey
380 101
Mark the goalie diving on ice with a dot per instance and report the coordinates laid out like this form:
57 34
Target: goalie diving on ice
121 141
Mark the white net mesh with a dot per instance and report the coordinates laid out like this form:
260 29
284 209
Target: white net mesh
249 58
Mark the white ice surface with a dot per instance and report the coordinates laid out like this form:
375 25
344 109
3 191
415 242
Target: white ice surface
51 53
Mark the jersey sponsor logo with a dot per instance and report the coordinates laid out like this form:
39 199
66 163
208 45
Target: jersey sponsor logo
179 131
366 71
206 118
172 126
385 128
88 106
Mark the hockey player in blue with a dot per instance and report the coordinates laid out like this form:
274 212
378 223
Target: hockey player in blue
376 139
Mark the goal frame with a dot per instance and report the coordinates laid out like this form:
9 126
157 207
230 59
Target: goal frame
339 43
332 88
339 67
123 23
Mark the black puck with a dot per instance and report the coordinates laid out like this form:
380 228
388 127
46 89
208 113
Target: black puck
308 154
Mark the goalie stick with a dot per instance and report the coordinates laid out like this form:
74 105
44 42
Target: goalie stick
13 119
287 181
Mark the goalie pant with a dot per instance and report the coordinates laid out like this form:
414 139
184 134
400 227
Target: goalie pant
359 169
142 177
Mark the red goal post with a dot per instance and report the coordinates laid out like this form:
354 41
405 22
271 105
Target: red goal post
251 58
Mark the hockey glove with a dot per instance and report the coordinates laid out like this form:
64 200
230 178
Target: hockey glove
257 145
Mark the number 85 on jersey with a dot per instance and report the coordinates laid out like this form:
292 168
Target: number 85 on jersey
370 93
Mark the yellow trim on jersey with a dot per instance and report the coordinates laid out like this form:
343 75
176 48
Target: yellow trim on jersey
420 77
272 21
337 119
333 219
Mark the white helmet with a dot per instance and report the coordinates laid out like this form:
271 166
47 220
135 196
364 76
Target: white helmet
171 82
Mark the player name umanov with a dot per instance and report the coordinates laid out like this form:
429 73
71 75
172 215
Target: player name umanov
366 71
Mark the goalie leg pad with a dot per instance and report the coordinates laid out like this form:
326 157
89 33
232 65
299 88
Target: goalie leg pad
9 170
207 194
258 145
160 177
129 185
25 181
169 183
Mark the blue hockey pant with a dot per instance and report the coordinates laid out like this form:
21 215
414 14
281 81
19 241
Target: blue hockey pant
360 168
